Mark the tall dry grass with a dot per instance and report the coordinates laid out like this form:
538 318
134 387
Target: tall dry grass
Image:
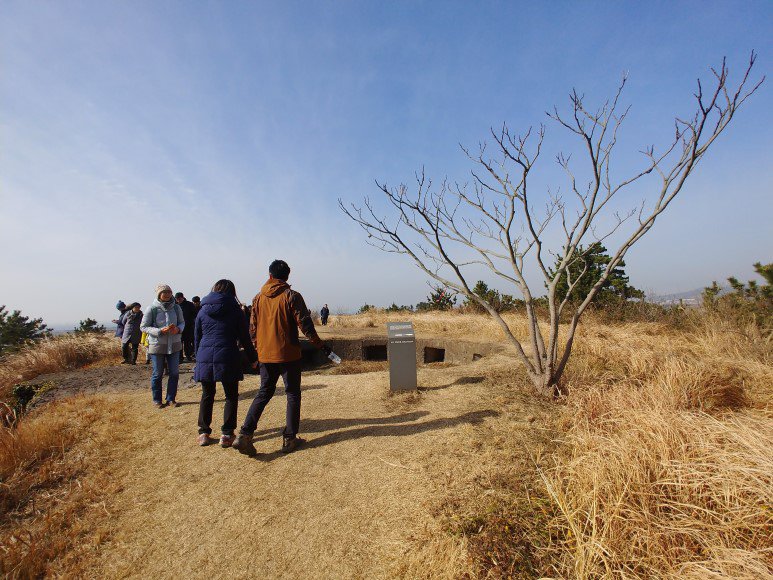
52 355
667 462
53 472
25 448
44 457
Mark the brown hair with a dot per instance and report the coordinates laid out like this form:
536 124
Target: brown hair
225 287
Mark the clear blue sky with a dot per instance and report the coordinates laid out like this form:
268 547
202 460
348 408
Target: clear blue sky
183 142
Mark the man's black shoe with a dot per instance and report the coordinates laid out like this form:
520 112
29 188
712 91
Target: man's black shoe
243 444
290 444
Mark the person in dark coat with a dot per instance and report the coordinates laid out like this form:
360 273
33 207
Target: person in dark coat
220 329
323 314
189 313
122 309
130 341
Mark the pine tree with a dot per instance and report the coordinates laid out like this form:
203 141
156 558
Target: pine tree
750 301
439 299
17 330
89 326
589 265
500 302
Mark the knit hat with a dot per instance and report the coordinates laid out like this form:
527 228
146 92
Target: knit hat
120 305
162 288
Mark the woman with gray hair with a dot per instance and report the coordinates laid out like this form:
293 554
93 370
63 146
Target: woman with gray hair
163 322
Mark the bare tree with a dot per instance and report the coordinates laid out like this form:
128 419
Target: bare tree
494 221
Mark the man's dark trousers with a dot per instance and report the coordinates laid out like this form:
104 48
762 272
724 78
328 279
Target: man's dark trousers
269 375
188 343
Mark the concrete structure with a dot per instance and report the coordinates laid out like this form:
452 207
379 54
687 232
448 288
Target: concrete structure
374 348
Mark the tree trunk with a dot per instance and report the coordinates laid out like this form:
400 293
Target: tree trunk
547 384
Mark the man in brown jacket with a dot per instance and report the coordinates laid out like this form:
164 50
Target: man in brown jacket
277 314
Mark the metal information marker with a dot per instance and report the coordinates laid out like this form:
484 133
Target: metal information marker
402 356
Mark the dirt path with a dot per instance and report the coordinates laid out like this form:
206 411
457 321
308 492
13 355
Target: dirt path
351 503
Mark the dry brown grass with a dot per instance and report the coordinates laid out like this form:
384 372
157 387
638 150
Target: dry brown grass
667 466
653 493
497 503
51 355
450 323
354 367
53 481
664 464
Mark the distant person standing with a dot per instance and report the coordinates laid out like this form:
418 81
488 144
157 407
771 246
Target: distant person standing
277 313
121 307
323 314
131 333
164 323
189 313
219 331
196 304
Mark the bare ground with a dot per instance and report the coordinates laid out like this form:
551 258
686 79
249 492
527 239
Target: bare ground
101 379
361 499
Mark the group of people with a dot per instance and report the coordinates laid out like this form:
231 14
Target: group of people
220 334
127 328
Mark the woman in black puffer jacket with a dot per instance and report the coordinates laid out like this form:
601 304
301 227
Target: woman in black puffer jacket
220 329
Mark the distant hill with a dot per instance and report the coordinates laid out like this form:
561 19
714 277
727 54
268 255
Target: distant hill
691 297
65 327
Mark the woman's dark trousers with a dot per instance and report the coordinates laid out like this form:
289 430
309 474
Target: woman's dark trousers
130 352
269 375
231 389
